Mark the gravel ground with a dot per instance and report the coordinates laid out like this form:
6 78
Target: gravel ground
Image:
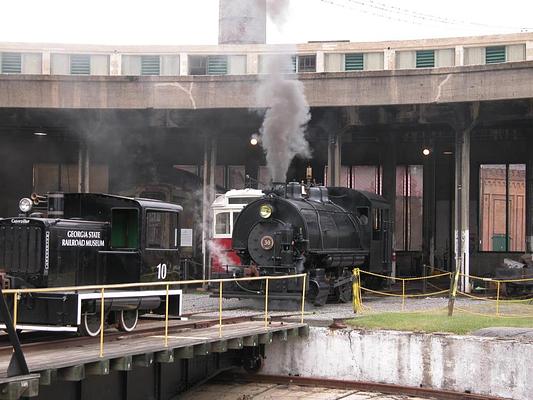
204 306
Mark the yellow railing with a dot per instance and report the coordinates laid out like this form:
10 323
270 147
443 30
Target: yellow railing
167 284
358 289
358 303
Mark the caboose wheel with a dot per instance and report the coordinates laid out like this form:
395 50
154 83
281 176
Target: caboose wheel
90 324
127 320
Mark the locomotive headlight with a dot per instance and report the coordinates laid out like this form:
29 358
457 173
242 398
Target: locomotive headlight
265 211
25 205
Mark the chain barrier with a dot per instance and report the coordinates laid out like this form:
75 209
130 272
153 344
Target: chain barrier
498 305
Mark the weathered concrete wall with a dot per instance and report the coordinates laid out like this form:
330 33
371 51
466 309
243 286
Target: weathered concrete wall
428 86
486 366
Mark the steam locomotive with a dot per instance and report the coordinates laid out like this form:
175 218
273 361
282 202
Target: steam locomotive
323 231
75 239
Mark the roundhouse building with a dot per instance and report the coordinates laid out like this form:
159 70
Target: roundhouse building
175 122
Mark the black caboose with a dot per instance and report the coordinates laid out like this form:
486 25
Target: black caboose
89 239
323 231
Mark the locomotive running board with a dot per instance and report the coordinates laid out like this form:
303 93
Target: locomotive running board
97 296
47 328
117 295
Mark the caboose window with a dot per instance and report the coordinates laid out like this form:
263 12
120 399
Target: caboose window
222 223
161 228
124 229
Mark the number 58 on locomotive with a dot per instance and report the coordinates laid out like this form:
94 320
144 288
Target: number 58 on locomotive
77 239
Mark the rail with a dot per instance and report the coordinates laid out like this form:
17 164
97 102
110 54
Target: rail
167 284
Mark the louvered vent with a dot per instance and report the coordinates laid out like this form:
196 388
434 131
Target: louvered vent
80 64
217 65
150 65
20 249
495 54
353 62
11 63
425 58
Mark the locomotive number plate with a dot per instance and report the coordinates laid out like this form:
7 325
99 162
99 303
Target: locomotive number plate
267 242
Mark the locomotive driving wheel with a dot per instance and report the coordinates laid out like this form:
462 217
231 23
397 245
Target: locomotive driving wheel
90 324
127 320
344 293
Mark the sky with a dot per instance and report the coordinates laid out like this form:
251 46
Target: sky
182 22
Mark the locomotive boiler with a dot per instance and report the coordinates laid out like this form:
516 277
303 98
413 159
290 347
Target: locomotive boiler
323 231
80 239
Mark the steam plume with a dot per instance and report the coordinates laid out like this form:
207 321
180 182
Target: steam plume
287 115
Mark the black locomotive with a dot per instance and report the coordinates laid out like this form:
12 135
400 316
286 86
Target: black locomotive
324 231
89 239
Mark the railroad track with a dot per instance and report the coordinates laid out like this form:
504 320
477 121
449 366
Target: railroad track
351 385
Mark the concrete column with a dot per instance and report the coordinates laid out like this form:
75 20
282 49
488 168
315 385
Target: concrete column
459 55
319 61
83 168
184 64
529 198
462 204
389 59
252 63
428 223
334 159
115 64
208 196
45 63
388 157
529 50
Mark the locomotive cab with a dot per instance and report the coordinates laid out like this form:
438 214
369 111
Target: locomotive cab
90 239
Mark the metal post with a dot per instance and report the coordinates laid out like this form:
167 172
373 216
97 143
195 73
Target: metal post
465 211
388 183
205 211
529 198
266 303
212 190
428 223
83 167
497 298
458 243
334 159
102 304
15 308
403 294
220 309
303 297
166 317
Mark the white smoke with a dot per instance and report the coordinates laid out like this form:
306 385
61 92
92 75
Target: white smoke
287 115
218 252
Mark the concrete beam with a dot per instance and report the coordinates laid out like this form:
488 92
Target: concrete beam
387 87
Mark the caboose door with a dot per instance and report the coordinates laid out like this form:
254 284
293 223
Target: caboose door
161 246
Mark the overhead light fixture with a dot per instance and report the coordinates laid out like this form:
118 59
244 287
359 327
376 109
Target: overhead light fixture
40 133
447 152
426 151
254 139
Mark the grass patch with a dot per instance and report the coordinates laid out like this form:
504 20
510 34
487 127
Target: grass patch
461 324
